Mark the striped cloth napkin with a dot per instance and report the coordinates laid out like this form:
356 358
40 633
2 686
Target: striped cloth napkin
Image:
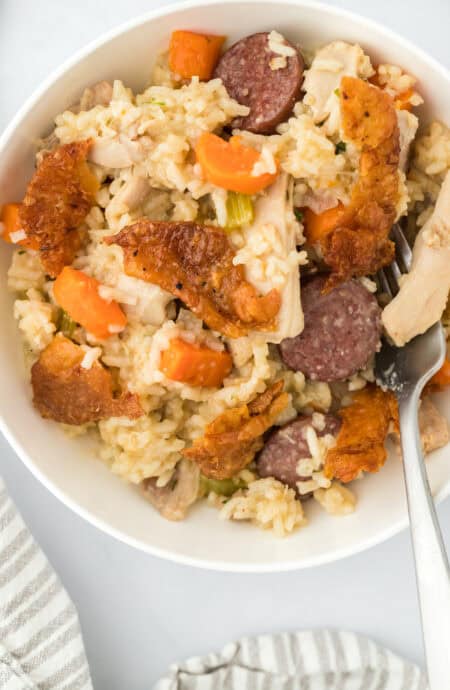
40 640
318 660
41 647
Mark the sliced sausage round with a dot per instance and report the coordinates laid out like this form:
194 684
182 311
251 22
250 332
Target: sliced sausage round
249 72
287 445
342 331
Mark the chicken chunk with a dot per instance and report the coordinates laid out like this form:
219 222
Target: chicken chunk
116 152
408 124
97 94
271 210
433 427
174 499
195 263
45 146
423 292
128 198
323 79
65 391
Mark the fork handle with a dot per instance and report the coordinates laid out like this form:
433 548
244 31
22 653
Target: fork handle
432 568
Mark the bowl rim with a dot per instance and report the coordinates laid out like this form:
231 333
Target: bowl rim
61 495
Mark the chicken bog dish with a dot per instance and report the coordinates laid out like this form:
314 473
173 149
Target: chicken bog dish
194 270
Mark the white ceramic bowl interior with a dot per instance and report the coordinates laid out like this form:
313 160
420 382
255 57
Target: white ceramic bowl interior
68 467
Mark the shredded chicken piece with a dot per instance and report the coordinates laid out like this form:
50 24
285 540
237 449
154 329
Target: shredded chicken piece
98 94
433 427
360 245
195 263
57 200
67 392
174 499
128 198
45 146
231 441
360 442
274 208
116 152
323 78
408 124
423 293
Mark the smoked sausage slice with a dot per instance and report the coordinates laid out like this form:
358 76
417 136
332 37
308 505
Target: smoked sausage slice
265 81
342 331
287 445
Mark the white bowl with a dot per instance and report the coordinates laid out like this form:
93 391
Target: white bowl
67 467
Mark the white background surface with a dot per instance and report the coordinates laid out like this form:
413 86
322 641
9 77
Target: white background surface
139 613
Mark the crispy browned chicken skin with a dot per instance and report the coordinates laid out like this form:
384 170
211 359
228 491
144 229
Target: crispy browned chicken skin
66 392
231 441
195 263
360 442
58 198
360 245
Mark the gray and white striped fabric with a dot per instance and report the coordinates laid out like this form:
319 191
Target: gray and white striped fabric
319 660
40 640
41 646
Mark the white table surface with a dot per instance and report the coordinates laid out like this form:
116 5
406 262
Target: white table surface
140 613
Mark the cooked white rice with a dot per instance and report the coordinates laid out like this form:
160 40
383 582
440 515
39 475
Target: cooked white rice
430 163
162 125
336 500
267 503
397 82
36 320
305 152
25 271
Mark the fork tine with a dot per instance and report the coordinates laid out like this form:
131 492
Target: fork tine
389 276
393 273
384 283
402 249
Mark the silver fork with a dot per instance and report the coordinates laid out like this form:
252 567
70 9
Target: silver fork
405 371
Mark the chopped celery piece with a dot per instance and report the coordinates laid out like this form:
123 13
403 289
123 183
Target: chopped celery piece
240 210
222 487
66 324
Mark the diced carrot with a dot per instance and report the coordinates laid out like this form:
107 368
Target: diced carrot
229 164
194 55
402 101
194 364
318 225
78 294
11 227
442 377
9 218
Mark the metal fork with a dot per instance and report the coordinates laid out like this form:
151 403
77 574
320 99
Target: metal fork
405 371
